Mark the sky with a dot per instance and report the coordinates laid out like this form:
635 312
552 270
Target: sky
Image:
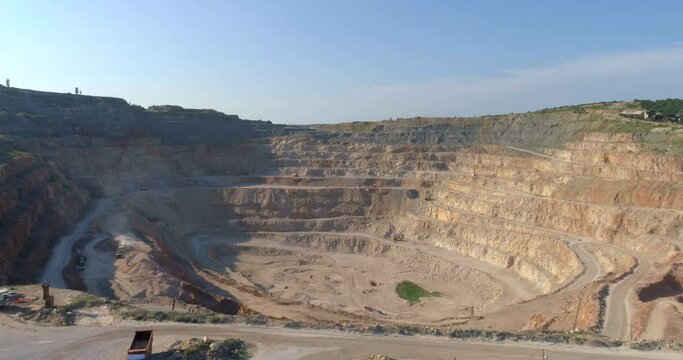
321 61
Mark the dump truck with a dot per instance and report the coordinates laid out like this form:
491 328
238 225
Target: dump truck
141 347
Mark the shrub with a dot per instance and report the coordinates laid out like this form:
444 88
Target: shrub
84 301
234 349
412 292
184 317
257 320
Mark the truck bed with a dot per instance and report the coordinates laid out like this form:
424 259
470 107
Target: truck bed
139 344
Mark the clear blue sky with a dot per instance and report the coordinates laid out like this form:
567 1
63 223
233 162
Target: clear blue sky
323 61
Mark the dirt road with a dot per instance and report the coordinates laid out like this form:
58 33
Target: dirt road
61 254
98 270
541 155
618 314
592 268
23 341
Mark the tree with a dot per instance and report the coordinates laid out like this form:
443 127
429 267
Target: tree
7 82
667 108
76 91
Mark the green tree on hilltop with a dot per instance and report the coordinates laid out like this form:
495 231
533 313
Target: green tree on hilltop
668 108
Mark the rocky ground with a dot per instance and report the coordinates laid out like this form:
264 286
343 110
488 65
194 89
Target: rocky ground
205 348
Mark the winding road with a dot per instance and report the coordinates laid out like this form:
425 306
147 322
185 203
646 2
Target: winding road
618 313
61 253
592 269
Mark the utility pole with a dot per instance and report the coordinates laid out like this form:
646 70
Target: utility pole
47 298
7 82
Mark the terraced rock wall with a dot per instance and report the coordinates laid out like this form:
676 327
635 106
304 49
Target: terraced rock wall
561 219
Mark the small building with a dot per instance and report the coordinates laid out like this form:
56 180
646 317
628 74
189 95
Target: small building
637 114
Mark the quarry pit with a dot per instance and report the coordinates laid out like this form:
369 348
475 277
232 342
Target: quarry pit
541 221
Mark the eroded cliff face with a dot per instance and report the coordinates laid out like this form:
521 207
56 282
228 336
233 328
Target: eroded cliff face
59 150
37 205
110 167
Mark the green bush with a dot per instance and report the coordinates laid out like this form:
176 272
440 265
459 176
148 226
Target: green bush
159 315
234 349
257 320
669 108
294 325
185 318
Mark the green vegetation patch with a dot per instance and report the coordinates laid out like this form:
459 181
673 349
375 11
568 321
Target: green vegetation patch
84 301
202 316
413 292
669 108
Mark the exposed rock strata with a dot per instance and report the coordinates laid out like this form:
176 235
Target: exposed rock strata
555 210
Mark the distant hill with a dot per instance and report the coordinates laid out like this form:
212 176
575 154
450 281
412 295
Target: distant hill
534 129
36 114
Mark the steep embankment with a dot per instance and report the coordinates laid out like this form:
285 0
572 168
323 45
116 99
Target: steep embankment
37 204
57 149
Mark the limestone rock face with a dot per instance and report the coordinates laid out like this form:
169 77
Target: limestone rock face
59 150
37 205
